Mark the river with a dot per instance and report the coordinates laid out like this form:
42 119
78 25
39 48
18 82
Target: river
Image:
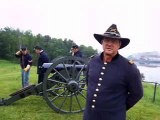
151 74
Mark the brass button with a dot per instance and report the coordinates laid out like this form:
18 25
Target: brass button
95 95
97 89
100 79
99 84
105 63
93 106
103 68
93 100
102 73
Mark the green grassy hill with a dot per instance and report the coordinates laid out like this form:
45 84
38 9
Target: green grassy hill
35 108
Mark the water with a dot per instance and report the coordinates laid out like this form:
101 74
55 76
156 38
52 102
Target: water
151 74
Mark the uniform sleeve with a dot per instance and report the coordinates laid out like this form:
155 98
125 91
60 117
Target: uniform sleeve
135 89
17 56
80 54
45 58
87 69
30 60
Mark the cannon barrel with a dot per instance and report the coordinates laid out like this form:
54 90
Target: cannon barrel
62 66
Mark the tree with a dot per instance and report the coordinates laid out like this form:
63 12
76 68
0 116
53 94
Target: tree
12 39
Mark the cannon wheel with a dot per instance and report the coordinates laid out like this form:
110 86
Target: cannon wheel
65 90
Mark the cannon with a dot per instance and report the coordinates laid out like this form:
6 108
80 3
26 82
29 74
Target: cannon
63 87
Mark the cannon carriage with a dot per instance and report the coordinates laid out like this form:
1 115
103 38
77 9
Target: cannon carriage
63 87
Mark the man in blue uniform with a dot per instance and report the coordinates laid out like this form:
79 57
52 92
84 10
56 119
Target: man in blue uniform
75 51
43 58
26 63
114 83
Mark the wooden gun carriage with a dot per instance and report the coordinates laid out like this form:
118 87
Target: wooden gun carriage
63 87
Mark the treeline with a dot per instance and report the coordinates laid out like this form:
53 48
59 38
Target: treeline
12 39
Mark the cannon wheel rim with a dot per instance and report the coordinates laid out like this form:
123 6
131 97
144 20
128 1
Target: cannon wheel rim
70 95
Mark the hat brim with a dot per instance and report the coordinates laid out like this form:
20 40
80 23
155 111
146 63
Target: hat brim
124 41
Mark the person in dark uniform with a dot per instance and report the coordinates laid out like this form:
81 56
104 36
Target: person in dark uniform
43 58
76 51
114 82
26 63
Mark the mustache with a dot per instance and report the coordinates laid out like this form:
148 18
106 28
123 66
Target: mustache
108 47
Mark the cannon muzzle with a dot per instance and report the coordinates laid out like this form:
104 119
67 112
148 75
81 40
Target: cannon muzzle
2 102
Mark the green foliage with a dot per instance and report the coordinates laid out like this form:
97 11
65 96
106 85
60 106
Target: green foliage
12 39
88 51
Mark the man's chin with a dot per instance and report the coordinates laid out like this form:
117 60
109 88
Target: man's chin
108 53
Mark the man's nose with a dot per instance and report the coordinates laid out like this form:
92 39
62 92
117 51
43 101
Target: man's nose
109 43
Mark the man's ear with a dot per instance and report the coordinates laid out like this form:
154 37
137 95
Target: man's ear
119 43
101 41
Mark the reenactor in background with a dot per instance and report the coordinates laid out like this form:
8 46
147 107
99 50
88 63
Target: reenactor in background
43 58
76 51
26 63
114 83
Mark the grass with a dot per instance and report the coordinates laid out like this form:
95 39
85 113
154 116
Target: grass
35 107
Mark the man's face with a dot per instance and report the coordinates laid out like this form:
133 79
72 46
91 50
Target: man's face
24 52
37 51
110 46
75 50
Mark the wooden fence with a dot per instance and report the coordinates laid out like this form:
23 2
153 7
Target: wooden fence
155 89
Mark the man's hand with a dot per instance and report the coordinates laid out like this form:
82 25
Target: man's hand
18 52
27 68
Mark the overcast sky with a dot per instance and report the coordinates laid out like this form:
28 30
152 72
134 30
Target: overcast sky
78 20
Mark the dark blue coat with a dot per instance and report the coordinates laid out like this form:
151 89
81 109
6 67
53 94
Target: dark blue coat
43 58
78 54
113 88
24 60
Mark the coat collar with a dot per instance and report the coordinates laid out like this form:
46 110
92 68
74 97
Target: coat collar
114 58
